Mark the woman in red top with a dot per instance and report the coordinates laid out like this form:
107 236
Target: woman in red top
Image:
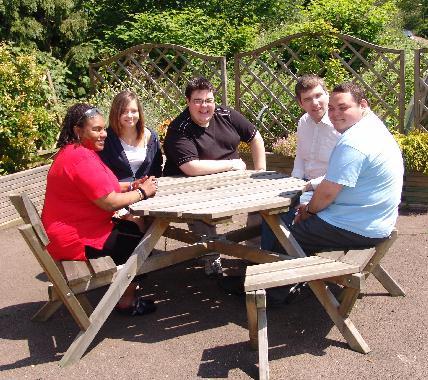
82 195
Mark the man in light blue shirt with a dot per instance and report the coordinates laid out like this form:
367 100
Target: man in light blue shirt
356 205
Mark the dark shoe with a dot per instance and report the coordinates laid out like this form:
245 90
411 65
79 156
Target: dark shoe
232 285
285 295
141 306
276 297
299 290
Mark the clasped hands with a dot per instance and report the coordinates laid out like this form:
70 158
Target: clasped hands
146 183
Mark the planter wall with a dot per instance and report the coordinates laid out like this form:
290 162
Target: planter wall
415 187
274 162
415 190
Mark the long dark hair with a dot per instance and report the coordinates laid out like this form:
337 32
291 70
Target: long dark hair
75 116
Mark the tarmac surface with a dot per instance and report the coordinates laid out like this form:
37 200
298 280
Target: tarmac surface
199 331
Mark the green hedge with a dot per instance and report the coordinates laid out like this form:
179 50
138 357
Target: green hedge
26 125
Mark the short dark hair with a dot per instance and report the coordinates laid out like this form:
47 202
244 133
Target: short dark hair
356 91
198 83
75 117
308 82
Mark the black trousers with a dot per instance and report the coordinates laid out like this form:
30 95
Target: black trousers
120 244
315 235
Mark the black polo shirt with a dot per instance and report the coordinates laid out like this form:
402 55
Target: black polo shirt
186 141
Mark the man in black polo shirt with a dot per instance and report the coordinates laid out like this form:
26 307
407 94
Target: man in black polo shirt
204 139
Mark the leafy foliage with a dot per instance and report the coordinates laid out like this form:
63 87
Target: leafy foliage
191 28
414 147
364 19
26 125
415 15
60 27
286 146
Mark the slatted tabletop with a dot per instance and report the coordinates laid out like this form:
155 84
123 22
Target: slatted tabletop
220 195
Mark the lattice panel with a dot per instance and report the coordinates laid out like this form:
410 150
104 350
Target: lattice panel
160 73
421 89
265 78
380 72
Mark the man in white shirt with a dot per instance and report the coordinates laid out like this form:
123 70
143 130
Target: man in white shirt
356 204
316 138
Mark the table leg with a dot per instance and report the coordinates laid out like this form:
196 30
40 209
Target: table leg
393 288
283 235
262 335
344 324
250 301
115 291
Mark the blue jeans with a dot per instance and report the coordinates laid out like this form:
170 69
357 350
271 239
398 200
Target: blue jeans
269 242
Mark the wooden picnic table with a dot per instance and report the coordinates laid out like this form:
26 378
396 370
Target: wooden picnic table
213 199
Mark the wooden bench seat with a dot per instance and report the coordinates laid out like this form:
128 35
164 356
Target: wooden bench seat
70 280
349 269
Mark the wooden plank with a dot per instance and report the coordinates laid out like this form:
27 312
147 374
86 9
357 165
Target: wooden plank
358 257
345 325
255 255
302 274
380 251
76 271
262 335
334 255
250 301
115 291
103 266
181 234
172 257
234 206
282 233
242 203
390 285
29 214
354 280
243 234
24 173
286 265
46 311
55 276
211 196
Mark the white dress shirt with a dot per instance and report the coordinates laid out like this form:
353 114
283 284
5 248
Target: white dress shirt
315 142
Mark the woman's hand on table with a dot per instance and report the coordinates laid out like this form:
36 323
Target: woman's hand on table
149 185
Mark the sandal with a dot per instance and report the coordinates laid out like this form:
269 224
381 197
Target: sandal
140 307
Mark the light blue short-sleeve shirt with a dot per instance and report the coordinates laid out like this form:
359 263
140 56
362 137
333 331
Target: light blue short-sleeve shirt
368 163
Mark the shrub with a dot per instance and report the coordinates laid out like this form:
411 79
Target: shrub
191 28
286 146
414 147
26 125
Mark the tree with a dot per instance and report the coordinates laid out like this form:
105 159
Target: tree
60 27
415 16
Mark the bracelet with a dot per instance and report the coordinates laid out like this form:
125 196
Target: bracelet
309 212
130 186
141 193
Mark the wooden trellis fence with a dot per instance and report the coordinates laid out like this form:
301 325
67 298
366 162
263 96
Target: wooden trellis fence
159 72
421 89
265 77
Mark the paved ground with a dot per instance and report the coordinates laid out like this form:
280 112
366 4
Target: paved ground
200 332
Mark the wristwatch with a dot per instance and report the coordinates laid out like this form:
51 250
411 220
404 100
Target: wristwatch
309 212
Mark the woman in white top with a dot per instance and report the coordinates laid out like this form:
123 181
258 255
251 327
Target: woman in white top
131 150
